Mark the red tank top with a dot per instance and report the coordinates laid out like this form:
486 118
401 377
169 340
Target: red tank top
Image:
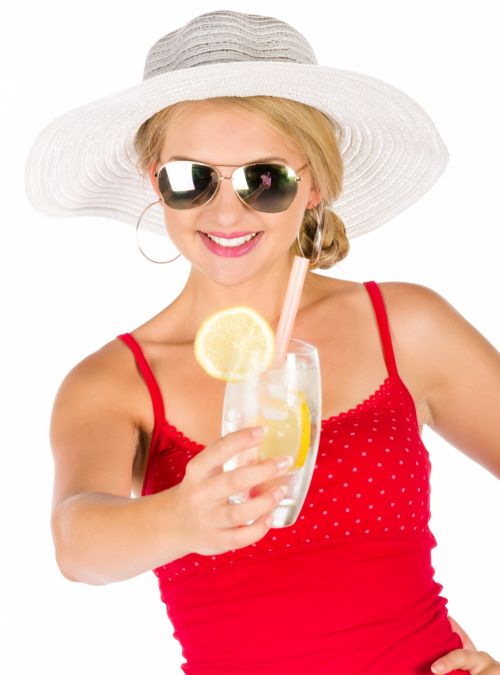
349 587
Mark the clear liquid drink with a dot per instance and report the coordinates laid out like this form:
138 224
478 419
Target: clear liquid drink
286 400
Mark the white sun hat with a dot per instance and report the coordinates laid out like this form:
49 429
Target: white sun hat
83 163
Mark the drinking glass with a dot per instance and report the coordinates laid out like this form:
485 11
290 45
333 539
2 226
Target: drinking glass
285 398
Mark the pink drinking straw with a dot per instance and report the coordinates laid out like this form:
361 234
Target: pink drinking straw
290 307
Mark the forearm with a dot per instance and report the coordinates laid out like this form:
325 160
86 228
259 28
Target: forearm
102 538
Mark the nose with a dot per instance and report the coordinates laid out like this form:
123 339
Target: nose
226 199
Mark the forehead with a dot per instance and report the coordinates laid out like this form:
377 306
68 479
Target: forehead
215 133
190 113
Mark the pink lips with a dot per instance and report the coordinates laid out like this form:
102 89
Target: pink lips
233 251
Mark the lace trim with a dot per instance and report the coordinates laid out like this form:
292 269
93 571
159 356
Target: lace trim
333 418
369 399
179 435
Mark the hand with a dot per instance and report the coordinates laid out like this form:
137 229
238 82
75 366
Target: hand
468 658
476 662
210 524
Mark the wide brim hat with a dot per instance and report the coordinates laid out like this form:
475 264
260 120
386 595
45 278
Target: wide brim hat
83 163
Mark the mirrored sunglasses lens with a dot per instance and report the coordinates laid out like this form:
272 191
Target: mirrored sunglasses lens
266 187
184 185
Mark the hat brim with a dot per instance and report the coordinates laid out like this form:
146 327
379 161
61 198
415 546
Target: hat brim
83 163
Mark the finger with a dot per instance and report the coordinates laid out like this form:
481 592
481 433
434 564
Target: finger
239 537
236 515
210 461
257 478
462 659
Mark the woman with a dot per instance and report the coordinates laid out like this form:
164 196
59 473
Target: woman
349 587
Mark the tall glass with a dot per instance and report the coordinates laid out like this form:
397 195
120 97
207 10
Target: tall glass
285 399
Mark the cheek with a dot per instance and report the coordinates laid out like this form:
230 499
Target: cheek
178 221
291 220
288 228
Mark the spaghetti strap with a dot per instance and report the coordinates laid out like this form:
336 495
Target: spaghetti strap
383 326
149 378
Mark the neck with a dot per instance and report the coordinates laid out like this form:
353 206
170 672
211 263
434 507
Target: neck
264 293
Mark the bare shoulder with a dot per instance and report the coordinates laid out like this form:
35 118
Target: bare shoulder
421 312
103 362
423 315
397 294
403 301
93 433
404 295
109 372
458 366
420 322
412 312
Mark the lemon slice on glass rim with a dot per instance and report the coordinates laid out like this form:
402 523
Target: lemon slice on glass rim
233 343
238 342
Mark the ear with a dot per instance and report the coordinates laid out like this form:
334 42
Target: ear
313 204
314 198
153 178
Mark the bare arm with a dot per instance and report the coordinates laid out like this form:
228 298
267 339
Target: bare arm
100 533
102 538
460 366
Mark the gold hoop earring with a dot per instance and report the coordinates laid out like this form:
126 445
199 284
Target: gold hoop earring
160 262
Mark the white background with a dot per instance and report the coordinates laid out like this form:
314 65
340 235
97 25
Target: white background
71 285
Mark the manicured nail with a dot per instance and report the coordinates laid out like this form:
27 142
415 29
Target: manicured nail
438 667
258 432
280 492
283 463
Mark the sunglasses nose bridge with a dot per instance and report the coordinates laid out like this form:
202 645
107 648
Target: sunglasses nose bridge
220 178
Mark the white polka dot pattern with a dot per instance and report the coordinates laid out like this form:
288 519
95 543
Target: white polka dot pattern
371 479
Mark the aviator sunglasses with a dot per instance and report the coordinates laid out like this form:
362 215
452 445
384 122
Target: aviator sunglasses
268 187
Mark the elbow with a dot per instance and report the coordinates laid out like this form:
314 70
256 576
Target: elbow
64 571
74 559
61 546
68 572
58 554
58 540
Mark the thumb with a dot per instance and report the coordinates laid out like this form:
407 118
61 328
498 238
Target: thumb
462 659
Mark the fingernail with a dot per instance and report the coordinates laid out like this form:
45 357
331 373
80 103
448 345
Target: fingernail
283 463
438 667
258 432
280 492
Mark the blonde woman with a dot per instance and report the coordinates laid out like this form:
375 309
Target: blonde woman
250 153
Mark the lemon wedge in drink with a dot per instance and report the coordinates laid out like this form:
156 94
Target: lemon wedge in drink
233 343
288 429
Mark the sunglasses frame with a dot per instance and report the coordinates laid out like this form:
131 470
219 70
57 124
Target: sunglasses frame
220 177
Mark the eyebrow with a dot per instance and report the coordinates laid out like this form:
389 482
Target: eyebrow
254 161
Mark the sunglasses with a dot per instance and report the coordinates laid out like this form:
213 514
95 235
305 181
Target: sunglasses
268 187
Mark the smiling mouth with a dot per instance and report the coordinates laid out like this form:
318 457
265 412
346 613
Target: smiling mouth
231 247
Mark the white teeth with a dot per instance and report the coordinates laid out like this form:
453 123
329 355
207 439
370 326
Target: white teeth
232 242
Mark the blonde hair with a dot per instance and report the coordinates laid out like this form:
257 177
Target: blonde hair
310 130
